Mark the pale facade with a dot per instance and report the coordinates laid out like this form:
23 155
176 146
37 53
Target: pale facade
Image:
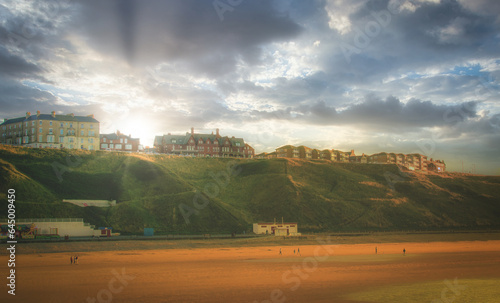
52 131
277 229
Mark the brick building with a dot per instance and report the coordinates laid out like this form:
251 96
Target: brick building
119 142
203 145
52 131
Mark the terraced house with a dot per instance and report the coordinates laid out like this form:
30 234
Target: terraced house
414 162
203 145
120 142
51 130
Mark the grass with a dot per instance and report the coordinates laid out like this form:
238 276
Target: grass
461 291
322 196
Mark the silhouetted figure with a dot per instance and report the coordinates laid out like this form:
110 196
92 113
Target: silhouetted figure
298 251
376 251
280 251
71 259
404 251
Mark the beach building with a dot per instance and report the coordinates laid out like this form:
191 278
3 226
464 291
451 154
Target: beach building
277 229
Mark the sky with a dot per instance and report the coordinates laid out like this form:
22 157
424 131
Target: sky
406 76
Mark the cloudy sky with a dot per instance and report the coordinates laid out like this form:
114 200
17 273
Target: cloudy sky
397 76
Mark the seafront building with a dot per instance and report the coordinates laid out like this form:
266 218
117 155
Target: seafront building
203 145
415 162
120 142
51 130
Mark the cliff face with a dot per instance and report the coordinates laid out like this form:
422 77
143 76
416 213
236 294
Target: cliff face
193 195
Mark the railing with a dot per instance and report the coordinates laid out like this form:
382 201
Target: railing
49 220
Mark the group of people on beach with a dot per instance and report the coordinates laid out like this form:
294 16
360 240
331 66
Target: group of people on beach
294 251
73 260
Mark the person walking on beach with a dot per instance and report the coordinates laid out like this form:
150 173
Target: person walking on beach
76 259
376 250
404 251
71 259
294 251
280 251
298 252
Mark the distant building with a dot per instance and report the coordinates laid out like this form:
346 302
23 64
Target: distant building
203 145
277 229
51 130
415 162
119 142
265 155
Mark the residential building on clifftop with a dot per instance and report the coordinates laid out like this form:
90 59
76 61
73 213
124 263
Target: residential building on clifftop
203 145
52 131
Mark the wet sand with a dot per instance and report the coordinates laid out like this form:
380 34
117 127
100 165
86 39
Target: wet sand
322 273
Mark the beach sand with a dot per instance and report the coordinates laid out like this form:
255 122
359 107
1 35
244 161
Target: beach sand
322 273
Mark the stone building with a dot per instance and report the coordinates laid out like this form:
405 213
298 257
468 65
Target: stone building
52 131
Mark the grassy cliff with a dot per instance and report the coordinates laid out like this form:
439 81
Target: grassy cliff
202 195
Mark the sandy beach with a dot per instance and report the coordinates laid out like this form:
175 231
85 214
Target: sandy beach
321 273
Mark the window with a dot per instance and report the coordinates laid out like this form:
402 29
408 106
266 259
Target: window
118 146
128 146
40 138
91 140
91 125
121 140
104 139
50 123
111 146
40 130
71 140
26 124
50 138
61 132
62 125
61 139
71 125
81 133
50 131
40 122
81 126
81 140
174 141
126 140
104 146
32 123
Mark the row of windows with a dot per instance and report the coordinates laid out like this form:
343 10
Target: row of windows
91 133
121 140
116 146
62 124
51 138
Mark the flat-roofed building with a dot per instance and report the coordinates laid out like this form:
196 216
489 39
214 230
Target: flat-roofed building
277 229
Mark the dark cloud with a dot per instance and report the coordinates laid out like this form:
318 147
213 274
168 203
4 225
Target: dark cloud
187 31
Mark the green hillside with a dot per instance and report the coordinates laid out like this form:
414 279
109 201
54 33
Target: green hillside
204 195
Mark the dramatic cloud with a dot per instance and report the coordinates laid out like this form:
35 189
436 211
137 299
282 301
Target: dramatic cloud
370 75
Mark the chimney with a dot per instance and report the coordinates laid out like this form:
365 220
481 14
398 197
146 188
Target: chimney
91 116
28 114
37 113
72 115
118 132
217 132
53 114
5 120
192 130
